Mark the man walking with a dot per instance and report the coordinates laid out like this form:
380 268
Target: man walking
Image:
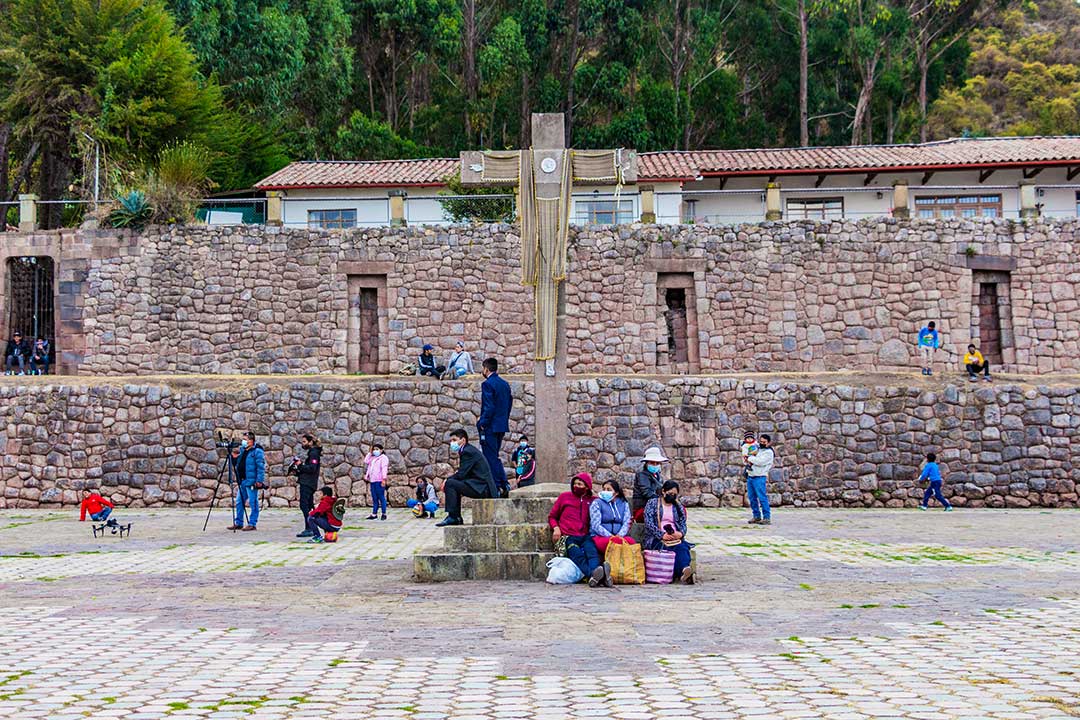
472 479
495 404
251 467
758 467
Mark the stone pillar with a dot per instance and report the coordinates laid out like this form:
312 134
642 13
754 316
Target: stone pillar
901 200
1028 207
274 211
397 208
28 213
648 204
551 407
773 208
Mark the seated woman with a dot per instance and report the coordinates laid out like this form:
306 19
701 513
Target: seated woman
426 499
609 516
460 363
665 529
569 519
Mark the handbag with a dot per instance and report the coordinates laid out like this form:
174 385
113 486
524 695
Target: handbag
627 563
659 566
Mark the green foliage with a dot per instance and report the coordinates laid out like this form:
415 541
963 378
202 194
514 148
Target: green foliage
134 211
180 180
479 210
362 138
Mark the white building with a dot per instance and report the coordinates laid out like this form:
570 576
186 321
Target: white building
971 177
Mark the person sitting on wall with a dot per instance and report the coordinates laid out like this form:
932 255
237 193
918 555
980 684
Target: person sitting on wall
665 529
460 363
524 460
647 482
974 363
426 501
427 366
17 352
39 357
609 517
569 520
98 507
472 479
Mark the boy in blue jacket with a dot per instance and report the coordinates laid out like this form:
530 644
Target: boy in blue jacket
931 473
928 342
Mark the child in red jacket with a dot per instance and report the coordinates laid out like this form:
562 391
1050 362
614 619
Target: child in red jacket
322 517
98 507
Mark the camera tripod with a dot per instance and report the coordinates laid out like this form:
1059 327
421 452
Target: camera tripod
227 471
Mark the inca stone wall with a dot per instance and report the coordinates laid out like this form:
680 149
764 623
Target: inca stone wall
152 444
776 296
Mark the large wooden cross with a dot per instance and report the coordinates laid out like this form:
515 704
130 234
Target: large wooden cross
544 176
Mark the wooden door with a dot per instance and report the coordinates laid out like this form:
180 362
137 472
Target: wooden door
990 323
367 304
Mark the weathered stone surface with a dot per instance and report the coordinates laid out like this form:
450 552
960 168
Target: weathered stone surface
845 294
153 444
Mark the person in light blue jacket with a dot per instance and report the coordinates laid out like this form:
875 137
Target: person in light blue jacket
251 477
928 342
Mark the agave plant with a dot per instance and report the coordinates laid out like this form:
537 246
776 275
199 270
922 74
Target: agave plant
134 211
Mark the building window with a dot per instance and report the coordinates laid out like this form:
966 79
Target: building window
603 212
815 208
947 206
331 219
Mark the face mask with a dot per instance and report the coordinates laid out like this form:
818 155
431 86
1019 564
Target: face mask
654 469
523 443
671 497
607 495
243 443
376 453
579 491
455 446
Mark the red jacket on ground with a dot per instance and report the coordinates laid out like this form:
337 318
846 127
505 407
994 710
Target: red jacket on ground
571 513
93 505
323 508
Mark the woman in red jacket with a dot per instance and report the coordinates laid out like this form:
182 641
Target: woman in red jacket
569 519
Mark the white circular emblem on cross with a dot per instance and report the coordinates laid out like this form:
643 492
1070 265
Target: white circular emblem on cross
548 165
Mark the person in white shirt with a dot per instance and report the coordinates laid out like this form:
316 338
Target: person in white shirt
758 466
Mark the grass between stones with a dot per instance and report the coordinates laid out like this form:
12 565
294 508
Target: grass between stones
1070 709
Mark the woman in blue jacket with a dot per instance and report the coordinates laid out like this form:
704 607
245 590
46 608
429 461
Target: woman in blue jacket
609 516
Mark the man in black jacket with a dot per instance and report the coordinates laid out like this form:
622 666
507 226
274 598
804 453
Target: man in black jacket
307 475
17 352
472 479
496 401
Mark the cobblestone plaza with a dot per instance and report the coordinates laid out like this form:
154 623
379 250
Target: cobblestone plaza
826 614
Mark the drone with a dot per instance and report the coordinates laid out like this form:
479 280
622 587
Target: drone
114 526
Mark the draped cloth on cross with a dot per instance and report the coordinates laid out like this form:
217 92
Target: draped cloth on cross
544 212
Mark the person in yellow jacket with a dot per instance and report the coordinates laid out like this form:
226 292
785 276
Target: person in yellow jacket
976 363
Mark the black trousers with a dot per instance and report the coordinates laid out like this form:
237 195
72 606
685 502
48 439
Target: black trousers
974 368
455 490
307 500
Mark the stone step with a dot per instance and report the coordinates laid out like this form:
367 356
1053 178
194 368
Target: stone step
524 537
443 566
511 511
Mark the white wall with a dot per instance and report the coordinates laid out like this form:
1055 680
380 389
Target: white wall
422 207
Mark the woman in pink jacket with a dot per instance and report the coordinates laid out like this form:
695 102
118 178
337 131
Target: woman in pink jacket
378 466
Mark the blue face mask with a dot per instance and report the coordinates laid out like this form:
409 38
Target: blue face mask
454 446
654 469
607 495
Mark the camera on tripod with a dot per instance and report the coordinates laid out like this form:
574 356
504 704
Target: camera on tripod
228 443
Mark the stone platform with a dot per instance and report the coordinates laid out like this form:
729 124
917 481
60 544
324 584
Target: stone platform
507 539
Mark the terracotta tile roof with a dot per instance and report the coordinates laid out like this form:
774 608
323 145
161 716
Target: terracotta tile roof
957 152
673 165
360 173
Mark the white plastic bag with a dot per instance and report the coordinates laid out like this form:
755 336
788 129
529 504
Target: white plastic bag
563 571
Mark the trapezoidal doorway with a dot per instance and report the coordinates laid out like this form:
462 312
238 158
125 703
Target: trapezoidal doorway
30 299
367 315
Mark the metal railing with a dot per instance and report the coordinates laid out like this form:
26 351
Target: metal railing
9 216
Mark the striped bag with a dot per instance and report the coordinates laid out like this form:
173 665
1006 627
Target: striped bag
659 566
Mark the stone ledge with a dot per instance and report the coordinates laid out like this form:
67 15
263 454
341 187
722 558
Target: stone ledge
446 567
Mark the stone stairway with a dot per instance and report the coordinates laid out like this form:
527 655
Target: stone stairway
506 539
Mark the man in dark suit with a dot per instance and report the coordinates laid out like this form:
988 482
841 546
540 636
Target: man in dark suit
472 479
494 422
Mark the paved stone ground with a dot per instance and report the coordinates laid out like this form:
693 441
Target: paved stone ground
826 614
